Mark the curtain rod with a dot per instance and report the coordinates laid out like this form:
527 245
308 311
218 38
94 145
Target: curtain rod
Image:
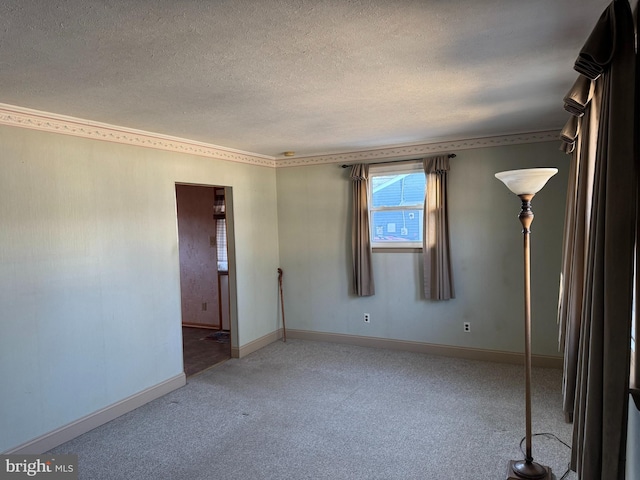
451 155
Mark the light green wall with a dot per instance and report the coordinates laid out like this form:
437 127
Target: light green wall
89 272
313 215
89 278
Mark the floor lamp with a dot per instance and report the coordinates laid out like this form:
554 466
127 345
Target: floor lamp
526 183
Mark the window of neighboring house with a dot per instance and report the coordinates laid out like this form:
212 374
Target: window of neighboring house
396 203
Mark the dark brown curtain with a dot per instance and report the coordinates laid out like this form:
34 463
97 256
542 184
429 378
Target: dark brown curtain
436 249
362 275
595 331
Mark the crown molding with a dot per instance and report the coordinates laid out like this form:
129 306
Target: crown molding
50 122
417 150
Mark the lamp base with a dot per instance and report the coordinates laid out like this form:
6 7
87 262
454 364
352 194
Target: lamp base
521 470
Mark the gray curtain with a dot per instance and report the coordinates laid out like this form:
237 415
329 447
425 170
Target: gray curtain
576 234
635 381
362 274
436 249
596 330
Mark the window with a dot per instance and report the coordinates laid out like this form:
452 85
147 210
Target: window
219 215
396 203
221 243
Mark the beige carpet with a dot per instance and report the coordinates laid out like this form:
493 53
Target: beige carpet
313 410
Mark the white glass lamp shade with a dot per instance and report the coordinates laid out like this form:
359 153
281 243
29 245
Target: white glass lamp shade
526 181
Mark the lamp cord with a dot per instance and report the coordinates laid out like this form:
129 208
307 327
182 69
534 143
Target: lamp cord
549 435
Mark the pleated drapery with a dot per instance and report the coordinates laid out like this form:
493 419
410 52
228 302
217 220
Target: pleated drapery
362 273
576 232
595 305
436 246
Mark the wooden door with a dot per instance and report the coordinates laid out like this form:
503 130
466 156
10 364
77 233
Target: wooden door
198 258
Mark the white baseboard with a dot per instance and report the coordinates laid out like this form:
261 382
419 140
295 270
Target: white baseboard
433 349
70 431
256 345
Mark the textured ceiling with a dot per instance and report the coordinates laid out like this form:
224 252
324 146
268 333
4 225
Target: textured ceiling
266 76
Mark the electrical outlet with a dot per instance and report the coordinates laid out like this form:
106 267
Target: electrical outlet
467 327
367 318
204 306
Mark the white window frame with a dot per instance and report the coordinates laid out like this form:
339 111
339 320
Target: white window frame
393 169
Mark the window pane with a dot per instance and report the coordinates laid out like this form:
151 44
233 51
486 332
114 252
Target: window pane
221 242
397 226
398 190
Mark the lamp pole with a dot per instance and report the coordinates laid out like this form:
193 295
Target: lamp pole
528 468
525 184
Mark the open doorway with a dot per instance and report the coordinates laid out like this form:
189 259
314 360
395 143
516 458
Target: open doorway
204 276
